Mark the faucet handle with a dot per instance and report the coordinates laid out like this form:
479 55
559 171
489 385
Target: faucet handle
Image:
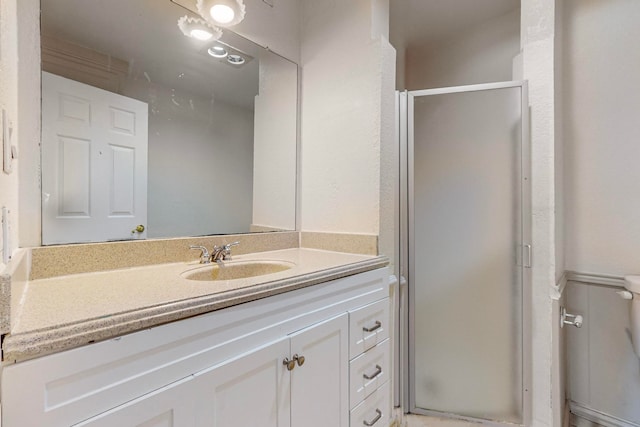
228 246
205 258
226 250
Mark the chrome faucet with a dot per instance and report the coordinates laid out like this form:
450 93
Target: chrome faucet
222 253
205 258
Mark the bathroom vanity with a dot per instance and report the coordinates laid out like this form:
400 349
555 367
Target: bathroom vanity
306 350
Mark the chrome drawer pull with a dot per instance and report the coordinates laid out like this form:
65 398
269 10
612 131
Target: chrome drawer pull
375 374
375 420
373 328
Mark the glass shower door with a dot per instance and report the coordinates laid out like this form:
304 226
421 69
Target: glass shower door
466 184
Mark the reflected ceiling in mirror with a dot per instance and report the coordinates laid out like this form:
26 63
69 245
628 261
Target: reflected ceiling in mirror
144 126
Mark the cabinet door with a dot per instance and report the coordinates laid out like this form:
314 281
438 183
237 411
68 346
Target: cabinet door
249 391
171 406
320 386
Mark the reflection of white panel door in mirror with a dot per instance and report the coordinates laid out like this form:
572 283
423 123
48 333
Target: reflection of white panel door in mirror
94 167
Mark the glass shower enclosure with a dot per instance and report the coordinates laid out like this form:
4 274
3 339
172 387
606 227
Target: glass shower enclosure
467 246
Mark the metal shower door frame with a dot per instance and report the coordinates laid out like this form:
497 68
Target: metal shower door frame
407 246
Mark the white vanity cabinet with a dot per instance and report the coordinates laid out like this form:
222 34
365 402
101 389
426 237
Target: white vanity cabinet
252 390
173 405
370 365
320 387
225 368
260 389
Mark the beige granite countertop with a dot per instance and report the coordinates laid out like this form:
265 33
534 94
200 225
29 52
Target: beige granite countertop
64 312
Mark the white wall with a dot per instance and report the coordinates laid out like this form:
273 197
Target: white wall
9 102
481 54
537 40
275 146
604 372
342 124
559 142
397 37
200 163
19 95
602 101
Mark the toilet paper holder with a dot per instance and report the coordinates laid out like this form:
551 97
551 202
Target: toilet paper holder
570 319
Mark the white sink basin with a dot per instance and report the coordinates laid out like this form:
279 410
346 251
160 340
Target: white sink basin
230 270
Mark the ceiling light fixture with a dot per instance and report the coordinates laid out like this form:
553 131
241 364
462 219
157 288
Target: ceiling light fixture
198 29
217 52
223 13
235 59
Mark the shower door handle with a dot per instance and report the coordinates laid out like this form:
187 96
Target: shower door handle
526 256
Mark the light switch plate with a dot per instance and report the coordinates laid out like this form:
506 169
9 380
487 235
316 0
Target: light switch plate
6 143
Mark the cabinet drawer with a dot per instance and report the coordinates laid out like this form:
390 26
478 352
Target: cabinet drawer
374 411
368 372
368 327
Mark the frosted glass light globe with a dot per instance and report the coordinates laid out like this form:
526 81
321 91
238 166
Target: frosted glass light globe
198 29
222 13
201 34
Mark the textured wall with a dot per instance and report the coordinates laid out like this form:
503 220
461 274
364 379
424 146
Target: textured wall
341 117
29 120
601 104
8 101
20 67
389 236
482 54
537 39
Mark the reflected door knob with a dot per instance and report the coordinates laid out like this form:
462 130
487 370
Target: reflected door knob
138 229
299 359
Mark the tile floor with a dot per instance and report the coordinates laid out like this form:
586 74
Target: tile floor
420 421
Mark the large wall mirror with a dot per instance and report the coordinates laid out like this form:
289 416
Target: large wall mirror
148 133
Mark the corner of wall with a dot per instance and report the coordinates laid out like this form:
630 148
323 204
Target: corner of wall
341 116
28 122
389 158
537 39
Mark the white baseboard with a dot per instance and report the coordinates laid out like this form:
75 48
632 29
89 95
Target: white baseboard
599 417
